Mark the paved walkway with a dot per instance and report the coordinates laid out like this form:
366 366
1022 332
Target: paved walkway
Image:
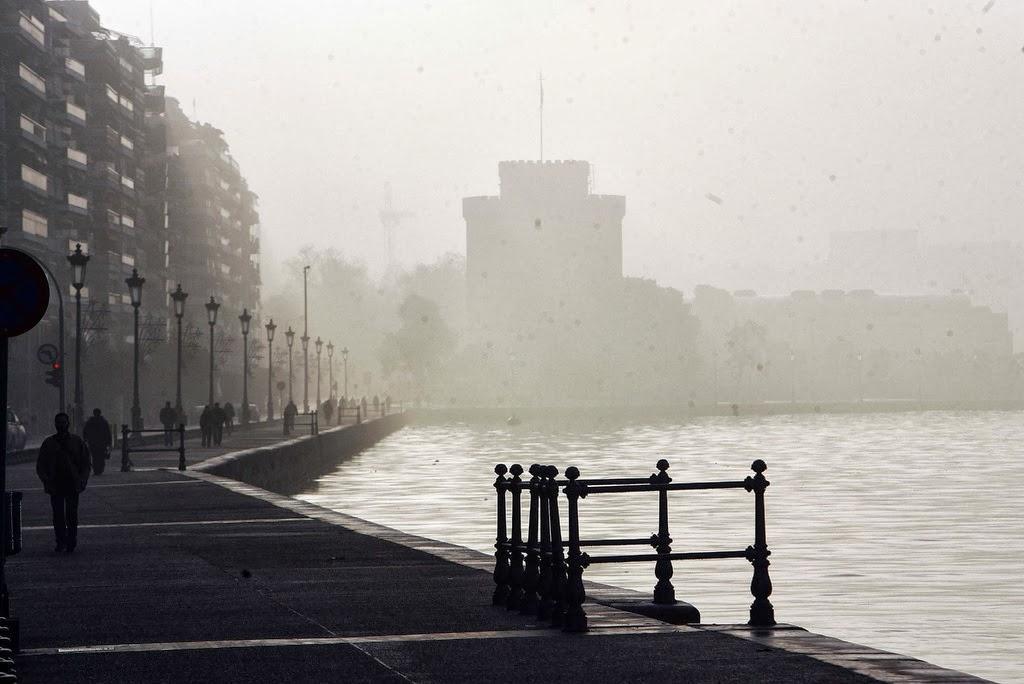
192 578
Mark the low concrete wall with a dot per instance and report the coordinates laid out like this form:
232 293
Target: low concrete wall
287 467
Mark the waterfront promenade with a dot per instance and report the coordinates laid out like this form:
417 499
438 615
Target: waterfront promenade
190 577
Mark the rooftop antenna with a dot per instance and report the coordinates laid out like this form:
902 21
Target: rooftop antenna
152 31
541 81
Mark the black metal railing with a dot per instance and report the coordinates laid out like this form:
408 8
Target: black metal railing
354 412
310 420
127 448
541 576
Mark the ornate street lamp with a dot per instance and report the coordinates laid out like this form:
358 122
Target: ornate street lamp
305 373
179 297
134 284
78 262
344 359
211 317
319 348
270 369
245 318
330 370
289 336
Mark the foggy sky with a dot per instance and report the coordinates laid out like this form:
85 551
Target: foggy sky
801 117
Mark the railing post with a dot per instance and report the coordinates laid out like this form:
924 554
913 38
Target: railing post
664 592
501 588
181 446
531 574
575 593
515 571
558 570
124 449
762 613
544 600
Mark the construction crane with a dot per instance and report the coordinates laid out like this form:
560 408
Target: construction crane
390 218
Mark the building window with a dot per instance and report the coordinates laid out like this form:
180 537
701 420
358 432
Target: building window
112 94
127 260
73 243
75 110
33 177
32 127
33 223
85 291
74 66
127 104
78 156
127 143
126 65
56 16
113 218
32 78
225 269
113 298
127 220
224 213
78 201
33 27
127 182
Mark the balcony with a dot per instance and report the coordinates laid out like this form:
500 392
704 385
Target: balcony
32 130
74 67
78 204
33 80
152 59
33 28
35 179
78 158
75 113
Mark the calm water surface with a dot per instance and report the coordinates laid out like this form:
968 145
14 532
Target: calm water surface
899 531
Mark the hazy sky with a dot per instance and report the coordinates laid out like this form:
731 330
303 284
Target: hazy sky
798 117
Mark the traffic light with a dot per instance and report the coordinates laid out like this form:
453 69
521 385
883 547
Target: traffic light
55 376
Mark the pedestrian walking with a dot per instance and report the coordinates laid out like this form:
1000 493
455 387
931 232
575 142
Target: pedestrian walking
167 418
206 425
63 467
376 404
363 404
387 403
219 418
229 417
99 438
289 417
328 410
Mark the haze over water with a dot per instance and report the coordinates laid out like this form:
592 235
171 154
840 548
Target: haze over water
898 531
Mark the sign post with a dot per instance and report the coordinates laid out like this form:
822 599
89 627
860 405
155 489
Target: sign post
24 296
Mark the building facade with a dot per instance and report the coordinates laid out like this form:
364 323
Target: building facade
87 157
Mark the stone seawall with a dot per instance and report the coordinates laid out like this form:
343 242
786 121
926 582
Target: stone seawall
287 467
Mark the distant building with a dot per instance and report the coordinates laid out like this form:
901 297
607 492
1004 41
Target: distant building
837 345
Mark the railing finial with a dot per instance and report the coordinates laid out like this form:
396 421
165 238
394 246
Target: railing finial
500 469
759 466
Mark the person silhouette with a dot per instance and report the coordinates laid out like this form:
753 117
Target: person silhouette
167 417
63 467
218 419
229 417
206 425
98 438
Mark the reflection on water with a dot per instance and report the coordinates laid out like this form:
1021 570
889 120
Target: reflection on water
899 531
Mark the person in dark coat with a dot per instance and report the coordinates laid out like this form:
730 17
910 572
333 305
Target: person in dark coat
328 410
167 418
206 425
376 404
63 466
218 419
98 438
290 410
229 417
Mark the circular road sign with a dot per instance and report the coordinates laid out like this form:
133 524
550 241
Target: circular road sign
24 292
47 354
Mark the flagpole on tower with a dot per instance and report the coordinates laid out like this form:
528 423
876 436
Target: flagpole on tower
541 75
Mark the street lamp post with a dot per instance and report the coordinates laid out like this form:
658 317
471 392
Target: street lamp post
344 360
289 336
135 291
305 338
245 319
319 348
78 262
211 316
305 373
270 369
330 370
179 298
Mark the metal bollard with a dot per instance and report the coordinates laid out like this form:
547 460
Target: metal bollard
558 569
125 463
515 571
544 581
762 613
501 588
575 593
531 573
181 446
664 592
